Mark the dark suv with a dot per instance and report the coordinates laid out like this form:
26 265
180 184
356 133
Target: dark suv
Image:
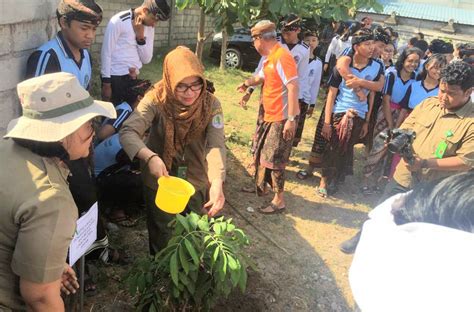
240 50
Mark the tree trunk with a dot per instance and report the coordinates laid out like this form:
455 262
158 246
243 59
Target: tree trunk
201 39
223 49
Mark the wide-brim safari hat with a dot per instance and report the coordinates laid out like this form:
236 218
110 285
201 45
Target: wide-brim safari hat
54 106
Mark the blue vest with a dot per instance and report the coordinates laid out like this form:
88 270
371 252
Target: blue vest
68 65
396 87
417 94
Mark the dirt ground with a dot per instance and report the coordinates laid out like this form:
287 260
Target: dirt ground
301 270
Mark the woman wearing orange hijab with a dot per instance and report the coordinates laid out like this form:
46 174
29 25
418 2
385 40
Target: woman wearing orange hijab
186 139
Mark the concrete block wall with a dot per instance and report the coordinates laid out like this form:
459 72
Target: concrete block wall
26 24
184 24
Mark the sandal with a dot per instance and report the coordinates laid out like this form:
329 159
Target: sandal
248 189
118 256
302 175
274 209
125 221
366 190
322 192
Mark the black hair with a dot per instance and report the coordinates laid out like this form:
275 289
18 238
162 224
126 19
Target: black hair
381 35
422 45
351 30
311 34
412 41
440 46
135 88
389 29
448 202
421 35
395 34
440 59
404 55
44 149
458 73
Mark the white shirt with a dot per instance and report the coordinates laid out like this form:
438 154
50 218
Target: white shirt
300 53
120 50
414 267
315 69
336 47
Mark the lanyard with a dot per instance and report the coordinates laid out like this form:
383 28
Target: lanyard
443 145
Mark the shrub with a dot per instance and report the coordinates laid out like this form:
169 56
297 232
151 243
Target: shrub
203 261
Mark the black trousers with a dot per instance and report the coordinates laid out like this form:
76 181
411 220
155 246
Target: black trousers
119 88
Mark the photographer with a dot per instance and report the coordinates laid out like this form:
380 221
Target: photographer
444 143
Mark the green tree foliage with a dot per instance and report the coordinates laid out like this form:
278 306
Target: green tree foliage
202 262
229 12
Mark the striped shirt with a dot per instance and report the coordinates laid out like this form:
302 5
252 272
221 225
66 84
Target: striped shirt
279 69
123 111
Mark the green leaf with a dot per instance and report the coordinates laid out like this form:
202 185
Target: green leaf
174 269
152 308
230 227
217 228
235 276
216 254
183 221
203 225
187 282
243 279
182 259
193 219
191 251
141 283
232 262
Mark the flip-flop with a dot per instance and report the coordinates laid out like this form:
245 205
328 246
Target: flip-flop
322 192
366 190
302 175
248 189
275 209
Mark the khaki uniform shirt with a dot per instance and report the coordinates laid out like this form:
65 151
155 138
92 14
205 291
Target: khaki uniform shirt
37 221
431 122
204 157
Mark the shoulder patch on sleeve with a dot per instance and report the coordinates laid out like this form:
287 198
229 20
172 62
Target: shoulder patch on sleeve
218 121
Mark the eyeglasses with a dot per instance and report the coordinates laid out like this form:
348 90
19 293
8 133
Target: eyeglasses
256 37
181 87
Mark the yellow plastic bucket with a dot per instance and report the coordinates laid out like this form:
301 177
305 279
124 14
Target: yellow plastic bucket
173 194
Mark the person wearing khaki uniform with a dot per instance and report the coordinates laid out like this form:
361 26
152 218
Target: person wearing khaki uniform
38 214
186 140
444 143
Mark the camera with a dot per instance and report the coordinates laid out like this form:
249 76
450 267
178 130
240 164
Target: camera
399 141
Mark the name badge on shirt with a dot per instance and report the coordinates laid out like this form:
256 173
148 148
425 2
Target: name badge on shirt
443 145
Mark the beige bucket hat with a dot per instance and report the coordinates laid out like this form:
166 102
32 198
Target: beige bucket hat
54 106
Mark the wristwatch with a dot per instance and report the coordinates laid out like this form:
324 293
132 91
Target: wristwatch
424 164
291 118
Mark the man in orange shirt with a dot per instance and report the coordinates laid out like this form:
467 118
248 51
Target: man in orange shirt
274 136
